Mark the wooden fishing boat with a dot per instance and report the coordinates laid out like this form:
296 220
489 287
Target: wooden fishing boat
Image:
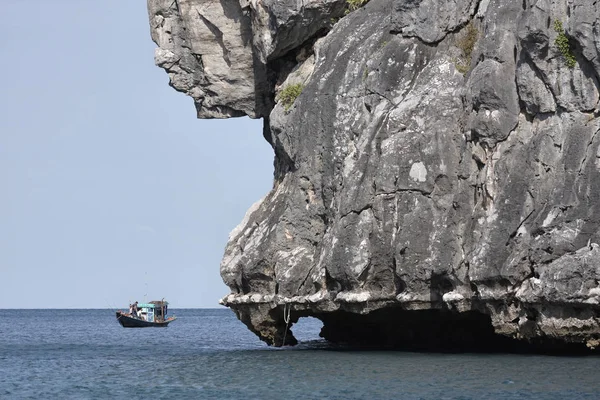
146 315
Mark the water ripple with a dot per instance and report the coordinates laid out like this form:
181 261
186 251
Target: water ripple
209 354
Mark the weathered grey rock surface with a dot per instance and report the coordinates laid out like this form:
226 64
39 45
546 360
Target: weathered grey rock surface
437 181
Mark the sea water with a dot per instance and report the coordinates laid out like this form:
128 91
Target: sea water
209 354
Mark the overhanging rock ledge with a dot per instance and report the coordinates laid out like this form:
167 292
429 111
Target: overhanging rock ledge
437 180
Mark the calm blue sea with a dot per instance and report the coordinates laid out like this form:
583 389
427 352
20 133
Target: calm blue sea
209 354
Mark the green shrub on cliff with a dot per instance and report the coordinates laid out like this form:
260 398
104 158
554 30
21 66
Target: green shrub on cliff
354 5
563 45
466 44
289 94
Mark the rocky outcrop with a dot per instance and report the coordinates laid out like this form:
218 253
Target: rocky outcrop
437 181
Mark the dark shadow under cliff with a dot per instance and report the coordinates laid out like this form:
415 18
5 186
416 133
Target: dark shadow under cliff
431 330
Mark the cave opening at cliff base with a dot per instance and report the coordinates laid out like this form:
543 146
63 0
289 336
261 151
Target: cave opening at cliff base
307 329
432 330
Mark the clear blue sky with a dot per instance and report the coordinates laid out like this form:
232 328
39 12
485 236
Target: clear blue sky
109 184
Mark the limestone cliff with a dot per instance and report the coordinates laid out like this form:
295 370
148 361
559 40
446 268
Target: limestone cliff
437 180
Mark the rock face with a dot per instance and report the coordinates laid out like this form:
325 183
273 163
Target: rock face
437 181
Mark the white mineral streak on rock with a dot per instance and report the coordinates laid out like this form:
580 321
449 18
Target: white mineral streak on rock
353 297
350 159
226 299
298 299
452 297
233 235
594 292
256 298
568 232
550 217
418 172
492 215
443 167
360 257
243 299
231 259
287 261
165 58
483 5
319 296
529 290
407 297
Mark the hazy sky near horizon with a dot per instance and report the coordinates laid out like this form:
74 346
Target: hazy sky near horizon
111 188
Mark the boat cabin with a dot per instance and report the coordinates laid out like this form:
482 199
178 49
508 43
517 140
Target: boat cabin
154 311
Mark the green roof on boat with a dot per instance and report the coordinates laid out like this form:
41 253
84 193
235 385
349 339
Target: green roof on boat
153 304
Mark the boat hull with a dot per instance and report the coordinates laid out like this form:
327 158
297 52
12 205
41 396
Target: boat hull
128 321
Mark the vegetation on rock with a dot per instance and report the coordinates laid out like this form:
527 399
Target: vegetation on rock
466 44
354 5
563 45
289 94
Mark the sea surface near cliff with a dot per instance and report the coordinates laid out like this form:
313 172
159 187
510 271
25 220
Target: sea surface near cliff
209 354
